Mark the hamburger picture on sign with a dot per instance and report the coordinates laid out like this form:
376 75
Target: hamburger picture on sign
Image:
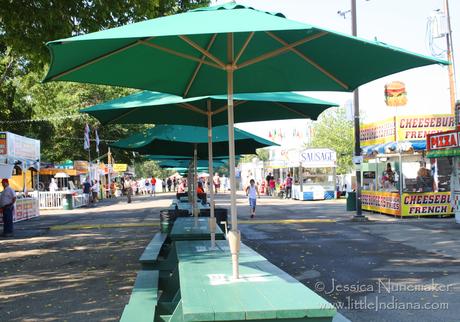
395 94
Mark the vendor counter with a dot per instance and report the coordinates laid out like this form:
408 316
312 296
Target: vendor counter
25 208
312 192
410 204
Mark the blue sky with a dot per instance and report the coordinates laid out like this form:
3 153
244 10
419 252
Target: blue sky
397 22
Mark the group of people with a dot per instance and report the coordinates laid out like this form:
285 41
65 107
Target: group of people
424 181
285 188
92 189
221 184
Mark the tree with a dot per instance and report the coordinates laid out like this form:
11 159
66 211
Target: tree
150 168
334 131
49 112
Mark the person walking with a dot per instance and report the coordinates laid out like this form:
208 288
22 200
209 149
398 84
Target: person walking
216 181
153 182
288 186
163 185
7 200
128 188
175 184
87 190
95 190
169 183
252 192
267 179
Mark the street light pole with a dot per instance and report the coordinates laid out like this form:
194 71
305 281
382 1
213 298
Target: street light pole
359 214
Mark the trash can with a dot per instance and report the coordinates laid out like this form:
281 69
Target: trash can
351 201
67 202
167 218
221 216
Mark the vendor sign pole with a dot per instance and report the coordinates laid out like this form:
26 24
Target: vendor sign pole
359 213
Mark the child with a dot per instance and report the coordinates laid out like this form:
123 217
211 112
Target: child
252 192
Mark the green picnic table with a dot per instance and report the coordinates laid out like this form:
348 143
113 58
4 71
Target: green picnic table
193 228
264 292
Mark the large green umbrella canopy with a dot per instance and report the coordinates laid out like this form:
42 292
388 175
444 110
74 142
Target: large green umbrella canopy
181 139
188 55
157 108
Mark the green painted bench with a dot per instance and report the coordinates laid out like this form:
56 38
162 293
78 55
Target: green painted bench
144 298
150 257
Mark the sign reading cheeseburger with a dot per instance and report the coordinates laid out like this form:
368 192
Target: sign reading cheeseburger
395 94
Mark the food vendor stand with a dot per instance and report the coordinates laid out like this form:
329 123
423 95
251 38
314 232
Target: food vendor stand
313 171
446 146
20 160
405 195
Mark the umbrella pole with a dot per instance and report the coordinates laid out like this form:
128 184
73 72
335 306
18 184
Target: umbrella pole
195 183
212 218
234 237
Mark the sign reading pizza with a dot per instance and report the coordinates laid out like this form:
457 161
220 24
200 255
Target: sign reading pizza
445 140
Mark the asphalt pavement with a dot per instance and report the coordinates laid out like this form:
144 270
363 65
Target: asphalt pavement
80 265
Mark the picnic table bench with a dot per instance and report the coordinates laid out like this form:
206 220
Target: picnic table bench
263 292
150 257
144 298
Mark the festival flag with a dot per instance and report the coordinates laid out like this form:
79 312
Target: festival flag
86 140
97 140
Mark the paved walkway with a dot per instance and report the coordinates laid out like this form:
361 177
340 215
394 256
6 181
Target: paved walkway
80 265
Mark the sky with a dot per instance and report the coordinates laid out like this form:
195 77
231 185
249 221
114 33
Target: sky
401 23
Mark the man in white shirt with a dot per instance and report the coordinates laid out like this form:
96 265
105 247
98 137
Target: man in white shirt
7 200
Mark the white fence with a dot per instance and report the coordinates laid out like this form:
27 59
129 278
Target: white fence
80 200
54 200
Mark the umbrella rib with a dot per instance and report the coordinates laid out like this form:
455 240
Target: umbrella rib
203 51
292 110
198 67
95 60
121 116
309 60
246 43
192 108
179 54
280 50
223 108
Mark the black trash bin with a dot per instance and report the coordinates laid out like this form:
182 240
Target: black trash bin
67 201
351 201
167 218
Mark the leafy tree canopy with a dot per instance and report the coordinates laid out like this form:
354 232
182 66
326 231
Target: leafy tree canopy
334 131
49 112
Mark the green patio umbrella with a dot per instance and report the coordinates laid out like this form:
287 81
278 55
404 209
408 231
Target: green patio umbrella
157 108
226 49
183 139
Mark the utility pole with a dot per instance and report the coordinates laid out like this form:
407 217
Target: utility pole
450 58
359 213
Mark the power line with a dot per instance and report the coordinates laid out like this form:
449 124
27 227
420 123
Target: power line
46 119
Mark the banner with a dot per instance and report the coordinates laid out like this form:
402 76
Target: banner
383 202
409 128
426 204
119 167
21 147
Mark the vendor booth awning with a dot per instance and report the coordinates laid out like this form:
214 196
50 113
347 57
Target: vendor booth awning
443 153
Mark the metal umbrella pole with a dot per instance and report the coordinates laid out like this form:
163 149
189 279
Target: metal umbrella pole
234 236
212 218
